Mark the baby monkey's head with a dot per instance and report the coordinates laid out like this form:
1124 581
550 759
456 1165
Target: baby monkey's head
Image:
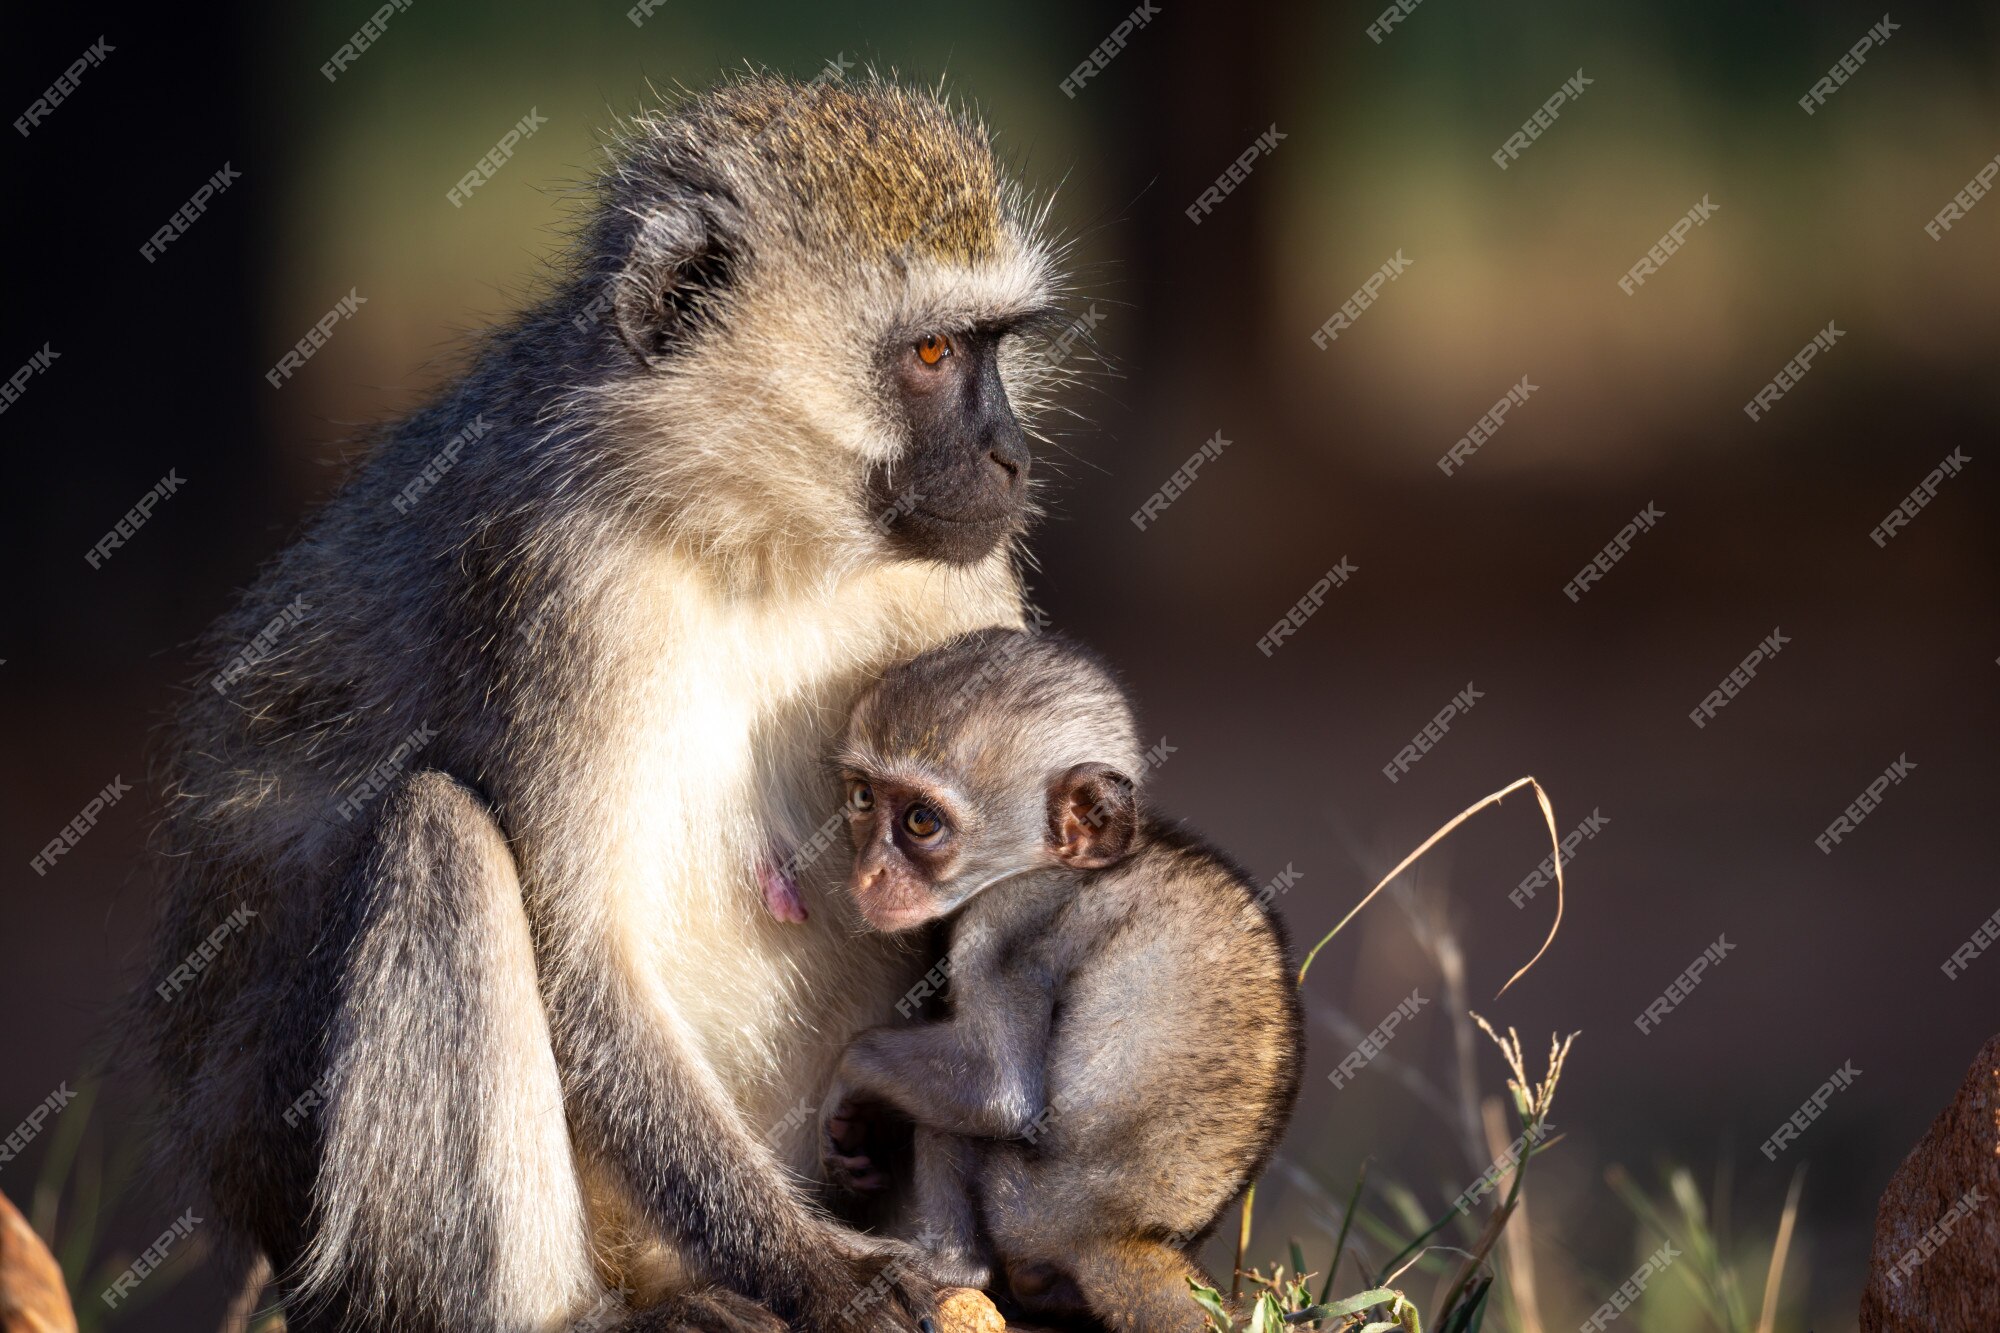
1000 752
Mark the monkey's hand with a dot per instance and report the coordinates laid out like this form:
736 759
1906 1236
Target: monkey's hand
781 891
883 1286
847 1136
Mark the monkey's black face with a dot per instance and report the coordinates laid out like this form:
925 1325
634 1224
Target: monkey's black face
961 488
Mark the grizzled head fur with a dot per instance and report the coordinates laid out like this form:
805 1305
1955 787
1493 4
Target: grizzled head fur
766 258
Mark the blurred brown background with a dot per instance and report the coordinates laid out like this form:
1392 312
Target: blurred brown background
1386 150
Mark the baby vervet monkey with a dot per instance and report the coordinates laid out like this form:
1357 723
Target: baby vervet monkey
1123 1046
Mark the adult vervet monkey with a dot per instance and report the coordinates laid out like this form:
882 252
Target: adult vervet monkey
509 1042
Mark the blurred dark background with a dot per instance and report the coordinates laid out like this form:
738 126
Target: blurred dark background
1386 150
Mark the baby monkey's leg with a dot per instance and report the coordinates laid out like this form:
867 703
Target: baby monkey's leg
947 1166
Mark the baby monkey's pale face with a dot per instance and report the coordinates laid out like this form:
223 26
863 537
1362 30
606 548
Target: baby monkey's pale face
909 844
921 851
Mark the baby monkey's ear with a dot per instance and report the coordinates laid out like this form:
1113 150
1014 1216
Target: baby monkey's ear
1093 817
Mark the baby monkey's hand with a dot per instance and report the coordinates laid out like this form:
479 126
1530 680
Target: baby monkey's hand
847 1144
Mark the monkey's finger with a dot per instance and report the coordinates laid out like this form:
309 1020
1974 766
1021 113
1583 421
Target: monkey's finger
856 1173
847 1133
849 1161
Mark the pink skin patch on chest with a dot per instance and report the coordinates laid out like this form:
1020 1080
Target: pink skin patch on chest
781 891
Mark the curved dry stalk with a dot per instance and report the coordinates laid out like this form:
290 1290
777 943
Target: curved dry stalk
1555 841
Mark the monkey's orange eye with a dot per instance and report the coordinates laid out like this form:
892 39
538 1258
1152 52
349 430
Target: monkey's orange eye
922 822
933 348
860 798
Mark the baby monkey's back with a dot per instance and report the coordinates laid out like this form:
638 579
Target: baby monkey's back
1172 1068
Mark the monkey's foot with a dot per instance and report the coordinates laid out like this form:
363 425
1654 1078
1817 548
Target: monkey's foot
781 891
880 1285
709 1310
958 1268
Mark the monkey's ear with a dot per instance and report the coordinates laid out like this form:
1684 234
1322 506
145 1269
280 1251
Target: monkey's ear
682 257
1093 817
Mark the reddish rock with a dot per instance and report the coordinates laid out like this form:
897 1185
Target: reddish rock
32 1298
1936 1265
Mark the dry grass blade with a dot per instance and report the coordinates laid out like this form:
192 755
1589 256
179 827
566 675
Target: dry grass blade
1243 1240
1555 842
1767 1320
249 1295
1533 1101
1517 1241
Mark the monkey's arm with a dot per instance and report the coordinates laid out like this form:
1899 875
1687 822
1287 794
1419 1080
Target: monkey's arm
641 1095
458 964
979 1074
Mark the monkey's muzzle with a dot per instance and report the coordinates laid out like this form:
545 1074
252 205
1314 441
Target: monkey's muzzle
961 489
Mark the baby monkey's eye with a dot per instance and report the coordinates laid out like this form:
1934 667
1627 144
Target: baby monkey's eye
933 348
860 797
923 822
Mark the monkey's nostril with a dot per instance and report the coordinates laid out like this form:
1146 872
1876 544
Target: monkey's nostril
1010 460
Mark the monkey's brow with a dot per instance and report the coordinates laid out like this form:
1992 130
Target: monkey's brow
1032 317
990 318
908 771
1039 313
1038 326
1036 314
